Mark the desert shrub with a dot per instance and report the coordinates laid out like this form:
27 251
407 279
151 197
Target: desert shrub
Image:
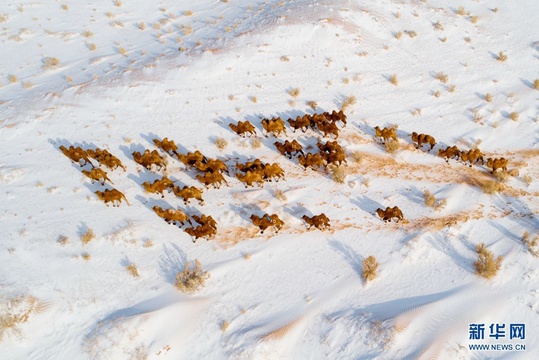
86 256
15 311
442 77
221 143
87 236
190 280
65 7
294 92
394 80
461 11
256 143
491 187
392 146
338 174
536 84
486 266
488 97
50 62
501 176
430 200
501 56
284 58
253 99
188 13
12 78
349 101
444 39
437 94
370 268
527 179
438 26
411 33
279 194
87 33
398 35
513 116
224 325
357 156
132 269
474 19
62 240
312 104
117 3
91 47
532 244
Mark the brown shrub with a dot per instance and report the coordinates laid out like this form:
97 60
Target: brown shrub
370 268
88 236
221 143
349 101
532 244
486 266
491 187
190 280
392 146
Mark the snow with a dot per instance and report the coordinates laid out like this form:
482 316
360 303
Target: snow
296 294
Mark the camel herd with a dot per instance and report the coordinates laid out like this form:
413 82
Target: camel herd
211 172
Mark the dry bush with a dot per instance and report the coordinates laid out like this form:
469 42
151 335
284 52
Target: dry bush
87 33
188 13
451 88
122 51
513 116
488 97
477 117
370 268
411 33
279 195
491 187
117 3
536 84
190 280
461 11
62 240
444 39
148 244
17 310
256 143
253 99
4 18
527 179
338 174
312 104
366 182
92 47
88 236
437 94
69 79
65 7
501 56
501 176
398 35
221 143
438 26
486 266
86 256
132 269
349 101
532 244
394 80
27 84
474 19
50 62
294 92
430 200
392 146
442 77
224 325
358 156
12 78
468 39
398 15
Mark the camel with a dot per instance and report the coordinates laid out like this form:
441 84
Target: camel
301 123
273 171
106 158
147 159
97 174
172 216
449 152
330 146
191 158
76 154
385 134
316 119
205 220
266 221
423 139
314 161
158 186
202 231
212 165
274 126
187 193
320 222
289 148
255 165
243 128
390 213
336 116
251 177
328 128
166 145
113 196
496 164
335 157
214 179
472 156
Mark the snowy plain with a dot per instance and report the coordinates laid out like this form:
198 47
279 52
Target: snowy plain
127 72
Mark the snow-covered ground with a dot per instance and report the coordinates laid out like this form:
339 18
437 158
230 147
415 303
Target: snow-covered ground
117 74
